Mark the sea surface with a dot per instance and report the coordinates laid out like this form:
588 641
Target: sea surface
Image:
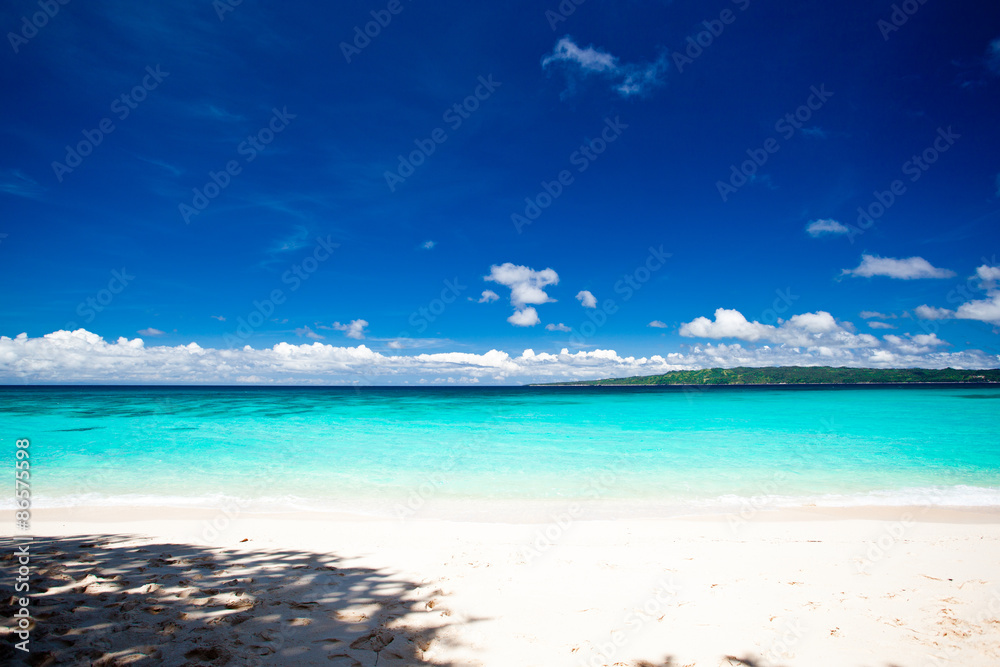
406 451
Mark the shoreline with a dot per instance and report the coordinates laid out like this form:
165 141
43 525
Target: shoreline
540 513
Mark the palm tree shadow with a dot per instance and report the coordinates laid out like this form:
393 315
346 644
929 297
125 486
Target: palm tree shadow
117 600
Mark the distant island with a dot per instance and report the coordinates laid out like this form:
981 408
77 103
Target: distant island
798 375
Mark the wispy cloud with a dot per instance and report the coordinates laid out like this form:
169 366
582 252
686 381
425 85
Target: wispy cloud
818 228
309 333
487 296
557 327
657 324
354 329
161 164
290 242
150 332
218 113
428 245
815 131
15 182
910 268
626 79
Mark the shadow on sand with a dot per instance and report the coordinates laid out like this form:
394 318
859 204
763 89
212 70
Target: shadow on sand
117 600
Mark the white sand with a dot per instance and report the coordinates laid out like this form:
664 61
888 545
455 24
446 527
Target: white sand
805 588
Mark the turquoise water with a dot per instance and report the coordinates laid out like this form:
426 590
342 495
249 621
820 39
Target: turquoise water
368 450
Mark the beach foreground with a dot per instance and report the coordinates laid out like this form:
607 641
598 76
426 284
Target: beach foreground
892 586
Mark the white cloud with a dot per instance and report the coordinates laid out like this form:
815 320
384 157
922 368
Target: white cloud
590 59
218 317
911 268
150 332
657 324
820 227
427 245
874 314
557 327
309 333
524 317
809 330
989 276
626 79
931 313
880 325
488 295
353 329
918 344
527 287
587 299
728 324
981 310
81 356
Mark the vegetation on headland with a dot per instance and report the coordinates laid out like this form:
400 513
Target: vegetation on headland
800 375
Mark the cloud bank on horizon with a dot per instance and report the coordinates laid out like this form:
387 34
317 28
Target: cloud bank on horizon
809 339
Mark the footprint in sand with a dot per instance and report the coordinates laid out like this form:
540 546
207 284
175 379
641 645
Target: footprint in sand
209 654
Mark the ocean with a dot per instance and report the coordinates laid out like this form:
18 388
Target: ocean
437 451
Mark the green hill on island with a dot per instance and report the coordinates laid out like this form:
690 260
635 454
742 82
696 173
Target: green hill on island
800 375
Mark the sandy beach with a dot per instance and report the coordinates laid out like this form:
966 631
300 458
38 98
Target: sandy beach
881 587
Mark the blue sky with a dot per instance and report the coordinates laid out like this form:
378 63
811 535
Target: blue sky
236 153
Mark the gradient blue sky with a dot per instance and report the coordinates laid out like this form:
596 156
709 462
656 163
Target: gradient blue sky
656 185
